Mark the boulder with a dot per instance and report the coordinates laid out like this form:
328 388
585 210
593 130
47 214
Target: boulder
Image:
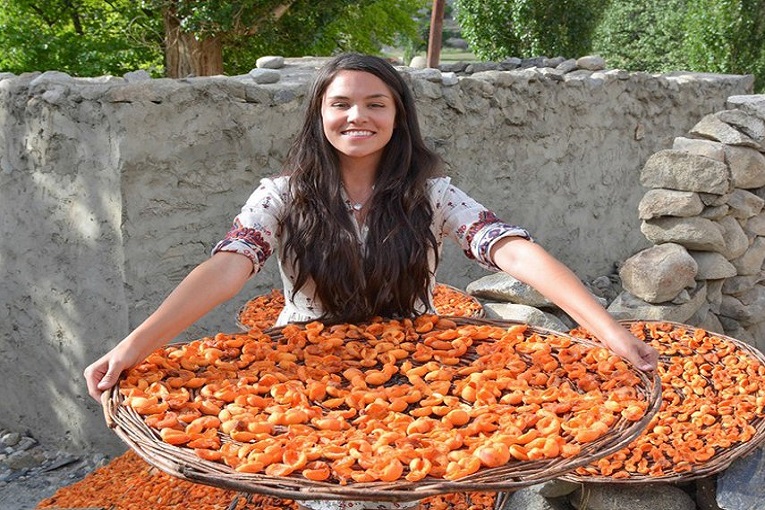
693 233
660 273
503 287
667 202
644 496
679 170
628 307
523 313
712 265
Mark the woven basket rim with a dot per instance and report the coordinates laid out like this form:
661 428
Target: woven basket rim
720 461
183 463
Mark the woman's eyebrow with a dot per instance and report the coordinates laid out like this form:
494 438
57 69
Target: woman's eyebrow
371 96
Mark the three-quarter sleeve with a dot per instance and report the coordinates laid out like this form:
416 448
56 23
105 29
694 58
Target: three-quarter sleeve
253 233
474 227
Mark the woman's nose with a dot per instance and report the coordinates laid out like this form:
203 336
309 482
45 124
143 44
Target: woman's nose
355 113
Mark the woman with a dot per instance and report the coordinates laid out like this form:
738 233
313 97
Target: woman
358 218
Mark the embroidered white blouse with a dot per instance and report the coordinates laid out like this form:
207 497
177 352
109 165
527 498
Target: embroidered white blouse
455 215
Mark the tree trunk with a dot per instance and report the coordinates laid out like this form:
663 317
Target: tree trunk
185 55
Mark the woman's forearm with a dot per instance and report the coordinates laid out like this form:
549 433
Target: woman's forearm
213 282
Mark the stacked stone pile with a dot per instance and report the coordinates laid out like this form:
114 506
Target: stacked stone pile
704 214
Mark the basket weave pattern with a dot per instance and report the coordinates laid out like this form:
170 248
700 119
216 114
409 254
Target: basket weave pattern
713 408
509 344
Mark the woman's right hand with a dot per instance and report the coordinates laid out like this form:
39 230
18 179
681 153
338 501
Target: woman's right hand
104 373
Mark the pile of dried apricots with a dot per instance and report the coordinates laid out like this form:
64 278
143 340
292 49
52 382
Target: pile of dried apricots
262 311
129 483
394 400
713 394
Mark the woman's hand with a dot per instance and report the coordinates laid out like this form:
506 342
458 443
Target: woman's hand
103 373
531 264
212 282
625 344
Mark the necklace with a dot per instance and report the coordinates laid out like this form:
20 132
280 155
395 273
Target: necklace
357 206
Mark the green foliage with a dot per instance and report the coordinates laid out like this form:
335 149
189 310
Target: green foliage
496 29
726 36
644 36
337 26
83 38
719 36
96 37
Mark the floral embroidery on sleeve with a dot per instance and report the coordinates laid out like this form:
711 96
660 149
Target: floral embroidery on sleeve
474 227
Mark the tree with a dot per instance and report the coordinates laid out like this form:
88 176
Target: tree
81 37
726 36
496 29
643 36
717 36
199 33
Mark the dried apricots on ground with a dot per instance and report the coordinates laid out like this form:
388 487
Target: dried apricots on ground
383 401
713 397
129 483
263 311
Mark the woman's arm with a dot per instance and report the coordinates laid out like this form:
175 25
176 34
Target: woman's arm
531 264
211 283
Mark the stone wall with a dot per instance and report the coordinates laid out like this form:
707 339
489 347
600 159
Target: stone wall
112 189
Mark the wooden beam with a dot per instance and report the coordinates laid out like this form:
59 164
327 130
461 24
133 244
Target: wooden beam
436 32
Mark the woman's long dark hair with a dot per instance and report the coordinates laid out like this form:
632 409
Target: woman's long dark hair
391 274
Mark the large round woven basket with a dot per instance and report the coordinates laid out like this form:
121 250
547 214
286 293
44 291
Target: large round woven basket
527 341
712 412
262 311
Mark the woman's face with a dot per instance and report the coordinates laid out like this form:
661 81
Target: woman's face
358 116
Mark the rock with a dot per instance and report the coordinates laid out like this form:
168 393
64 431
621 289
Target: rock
694 233
750 263
645 496
739 284
567 66
754 104
429 74
527 498
626 306
747 166
756 225
748 308
270 62
706 148
134 76
710 322
715 213
666 202
591 63
748 124
658 274
419 62
10 439
712 265
523 313
713 127
740 486
264 76
743 204
682 171
503 287
736 240
558 488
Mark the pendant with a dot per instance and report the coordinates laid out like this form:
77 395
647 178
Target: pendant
357 207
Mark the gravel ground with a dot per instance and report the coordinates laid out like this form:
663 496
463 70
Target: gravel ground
29 472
